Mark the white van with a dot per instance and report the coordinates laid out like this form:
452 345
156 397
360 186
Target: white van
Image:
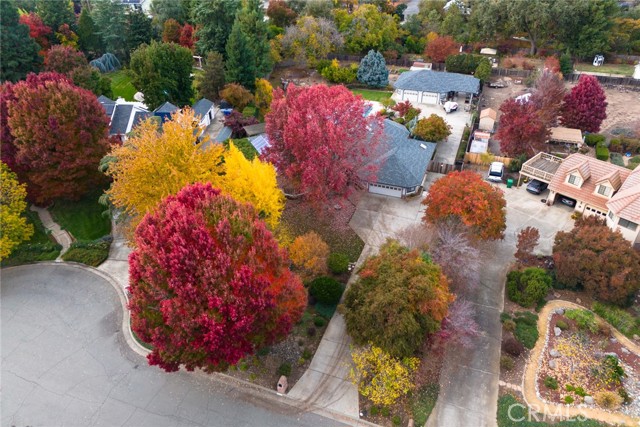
496 172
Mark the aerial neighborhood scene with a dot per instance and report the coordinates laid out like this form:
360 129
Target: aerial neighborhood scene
320 213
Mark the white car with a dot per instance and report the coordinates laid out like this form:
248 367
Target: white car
496 172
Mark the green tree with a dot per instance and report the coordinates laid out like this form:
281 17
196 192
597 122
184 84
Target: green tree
432 128
529 286
240 64
111 21
162 72
373 70
483 70
319 9
311 40
89 40
211 81
566 64
13 225
19 50
454 24
214 19
161 10
255 29
55 13
371 29
139 30
399 298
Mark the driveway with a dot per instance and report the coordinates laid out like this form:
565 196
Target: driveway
65 362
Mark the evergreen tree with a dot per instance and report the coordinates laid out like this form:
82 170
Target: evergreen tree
55 13
19 50
168 9
90 41
255 29
111 21
373 70
211 81
240 65
214 19
139 30
566 64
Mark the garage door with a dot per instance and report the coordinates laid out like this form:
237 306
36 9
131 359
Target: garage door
410 95
429 98
385 190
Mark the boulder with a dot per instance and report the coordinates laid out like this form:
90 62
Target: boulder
613 340
589 400
635 337
557 331
559 311
552 364
554 353
625 351
611 354
578 301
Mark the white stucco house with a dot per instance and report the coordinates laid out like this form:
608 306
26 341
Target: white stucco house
434 87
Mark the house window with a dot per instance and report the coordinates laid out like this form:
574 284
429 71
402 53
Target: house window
627 224
612 217
604 190
574 180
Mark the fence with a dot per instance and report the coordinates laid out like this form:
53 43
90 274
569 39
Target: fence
510 72
443 168
484 159
608 81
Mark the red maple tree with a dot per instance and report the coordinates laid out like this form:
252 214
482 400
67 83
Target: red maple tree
547 96
320 139
521 130
467 197
186 36
209 284
441 47
62 59
7 147
585 107
60 133
37 30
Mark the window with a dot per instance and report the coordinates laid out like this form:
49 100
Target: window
611 216
574 179
627 224
604 190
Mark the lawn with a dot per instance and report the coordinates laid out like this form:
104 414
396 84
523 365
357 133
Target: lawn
624 69
83 218
373 95
121 85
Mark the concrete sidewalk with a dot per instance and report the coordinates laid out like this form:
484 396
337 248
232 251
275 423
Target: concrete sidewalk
117 264
63 237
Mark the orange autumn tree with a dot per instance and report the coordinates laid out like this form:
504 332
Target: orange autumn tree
309 254
399 299
465 196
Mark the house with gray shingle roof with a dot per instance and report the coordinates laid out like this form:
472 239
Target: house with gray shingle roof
123 115
434 87
205 110
402 162
165 111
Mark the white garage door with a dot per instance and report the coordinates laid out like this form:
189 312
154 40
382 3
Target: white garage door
429 98
410 95
385 190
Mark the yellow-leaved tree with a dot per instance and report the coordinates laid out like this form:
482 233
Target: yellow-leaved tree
263 96
309 254
14 227
152 165
381 378
255 182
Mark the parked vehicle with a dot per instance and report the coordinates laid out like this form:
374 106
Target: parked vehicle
450 107
567 201
536 187
496 172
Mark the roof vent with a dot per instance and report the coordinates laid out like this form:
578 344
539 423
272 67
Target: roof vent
424 147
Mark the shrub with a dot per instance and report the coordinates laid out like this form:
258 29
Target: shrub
319 321
593 139
512 346
396 420
311 331
615 145
384 411
506 363
526 329
374 411
616 159
337 74
569 387
602 153
325 310
284 369
608 400
609 371
624 394
263 351
91 253
326 290
338 263
562 325
509 325
568 400
309 254
464 63
307 354
619 318
551 382
580 391
583 318
529 286
526 65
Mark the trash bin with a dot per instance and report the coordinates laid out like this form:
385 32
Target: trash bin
509 183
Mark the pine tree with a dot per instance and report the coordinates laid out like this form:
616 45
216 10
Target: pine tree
19 50
139 30
240 65
55 13
373 70
90 41
111 22
255 29
211 81
214 19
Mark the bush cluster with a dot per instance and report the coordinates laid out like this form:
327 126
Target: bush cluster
526 328
593 139
616 159
337 74
602 152
92 253
529 286
551 382
464 63
621 319
512 346
338 263
326 290
584 319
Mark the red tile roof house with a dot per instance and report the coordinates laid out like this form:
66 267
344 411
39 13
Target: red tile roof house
600 188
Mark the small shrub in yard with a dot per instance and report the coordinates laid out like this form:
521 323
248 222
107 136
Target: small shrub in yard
307 354
506 363
396 420
620 319
338 263
569 387
568 400
319 322
608 400
580 391
602 153
325 310
509 325
593 139
551 382
583 318
616 159
91 253
512 346
624 394
284 369
609 371
562 325
526 328
311 331
326 290
384 411
374 411
529 286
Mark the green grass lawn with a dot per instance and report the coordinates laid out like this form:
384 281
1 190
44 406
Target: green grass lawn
373 95
121 85
83 219
624 69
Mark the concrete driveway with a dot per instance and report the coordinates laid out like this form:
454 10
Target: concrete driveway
65 362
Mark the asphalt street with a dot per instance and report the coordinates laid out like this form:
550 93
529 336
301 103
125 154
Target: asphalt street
65 362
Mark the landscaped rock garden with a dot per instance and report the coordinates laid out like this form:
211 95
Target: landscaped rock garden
582 363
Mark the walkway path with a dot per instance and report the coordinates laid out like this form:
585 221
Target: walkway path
529 379
63 237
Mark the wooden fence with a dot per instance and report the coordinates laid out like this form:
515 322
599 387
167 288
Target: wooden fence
609 81
443 168
480 159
